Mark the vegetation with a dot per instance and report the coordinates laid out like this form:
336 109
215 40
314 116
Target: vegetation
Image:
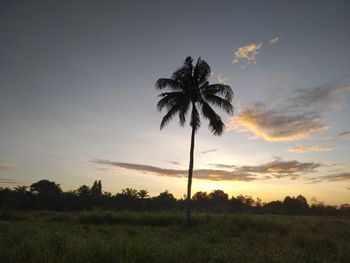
46 195
90 225
107 236
190 88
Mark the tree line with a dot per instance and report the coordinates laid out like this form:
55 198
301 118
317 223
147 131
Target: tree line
47 195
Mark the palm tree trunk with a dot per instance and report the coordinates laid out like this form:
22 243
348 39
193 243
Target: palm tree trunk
189 183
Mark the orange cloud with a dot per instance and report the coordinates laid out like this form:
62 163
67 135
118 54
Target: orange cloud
311 148
298 116
273 125
247 53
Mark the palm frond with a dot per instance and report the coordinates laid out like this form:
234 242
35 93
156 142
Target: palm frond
168 117
169 99
215 123
172 84
219 102
201 71
183 112
218 89
185 70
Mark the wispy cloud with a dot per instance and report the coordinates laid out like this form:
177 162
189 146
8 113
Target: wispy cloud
299 116
275 169
279 168
275 125
310 148
208 174
247 53
344 176
5 181
221 78
336 167
274 40
343 135
173 162
209 151
324 98
4 167
223 166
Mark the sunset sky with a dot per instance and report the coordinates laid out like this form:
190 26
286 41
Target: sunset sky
78 103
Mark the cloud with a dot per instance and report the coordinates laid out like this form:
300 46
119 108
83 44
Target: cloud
343 135
9 181
247 53
274 40
324 98
336 177
279 168
207 174
209 151
274 125
299 116
336 167
221 165
173 162
275 169
311 148
221 78
4 168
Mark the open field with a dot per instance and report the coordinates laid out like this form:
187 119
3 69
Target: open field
102 236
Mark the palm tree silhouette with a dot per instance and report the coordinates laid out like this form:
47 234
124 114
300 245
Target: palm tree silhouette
143 194
189 88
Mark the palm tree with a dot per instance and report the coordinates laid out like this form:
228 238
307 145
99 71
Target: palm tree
189 88
143 194
130 193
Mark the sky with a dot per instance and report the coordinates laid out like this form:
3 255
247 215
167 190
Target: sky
78 102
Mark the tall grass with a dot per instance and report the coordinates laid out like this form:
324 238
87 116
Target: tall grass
102 236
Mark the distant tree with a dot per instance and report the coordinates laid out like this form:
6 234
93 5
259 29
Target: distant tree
49 195
130 193
190 88
274 207
96 189
200 200
83 191
21 189
45 187
345 209
295 205
165 200
218 196
22 198
143 194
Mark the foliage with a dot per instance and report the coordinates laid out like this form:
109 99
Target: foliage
46 195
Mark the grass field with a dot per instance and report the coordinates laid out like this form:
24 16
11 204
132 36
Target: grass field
102 236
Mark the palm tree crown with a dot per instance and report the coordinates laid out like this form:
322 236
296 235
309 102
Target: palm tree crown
190 87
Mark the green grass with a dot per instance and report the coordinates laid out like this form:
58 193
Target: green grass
103 236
